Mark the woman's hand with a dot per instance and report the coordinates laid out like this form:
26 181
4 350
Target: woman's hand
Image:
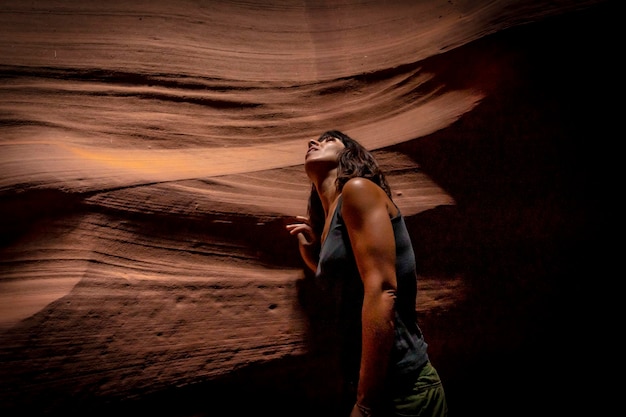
308 241
303 230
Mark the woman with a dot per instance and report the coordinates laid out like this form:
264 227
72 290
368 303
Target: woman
355 240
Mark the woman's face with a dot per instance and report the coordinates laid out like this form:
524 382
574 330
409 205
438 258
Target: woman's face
325 150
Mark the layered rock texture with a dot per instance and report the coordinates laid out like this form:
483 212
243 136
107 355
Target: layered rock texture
151 155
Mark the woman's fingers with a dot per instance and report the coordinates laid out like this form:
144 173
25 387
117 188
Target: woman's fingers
295 228
291 227
303 240
303 231
301 226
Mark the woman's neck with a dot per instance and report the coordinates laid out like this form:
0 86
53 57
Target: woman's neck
327 190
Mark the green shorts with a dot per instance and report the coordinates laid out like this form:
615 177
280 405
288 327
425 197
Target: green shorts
425 399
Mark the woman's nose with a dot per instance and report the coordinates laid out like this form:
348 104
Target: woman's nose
312 142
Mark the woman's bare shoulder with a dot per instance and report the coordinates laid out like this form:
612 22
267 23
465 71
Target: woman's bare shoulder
361 195
361 192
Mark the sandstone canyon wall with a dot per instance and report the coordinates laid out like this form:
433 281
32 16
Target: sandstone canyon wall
151 154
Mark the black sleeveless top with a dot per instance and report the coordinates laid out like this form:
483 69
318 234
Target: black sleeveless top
338 276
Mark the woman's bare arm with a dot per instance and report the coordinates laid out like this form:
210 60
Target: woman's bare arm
366 210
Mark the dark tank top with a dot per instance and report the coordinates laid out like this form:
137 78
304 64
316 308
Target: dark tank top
338 276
